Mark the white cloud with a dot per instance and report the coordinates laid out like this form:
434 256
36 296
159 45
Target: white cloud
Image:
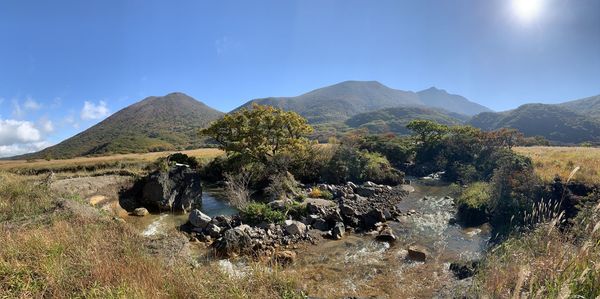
16 131
31 104
92 111
19 137
46 125
19 149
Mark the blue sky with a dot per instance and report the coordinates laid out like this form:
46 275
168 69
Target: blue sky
66 65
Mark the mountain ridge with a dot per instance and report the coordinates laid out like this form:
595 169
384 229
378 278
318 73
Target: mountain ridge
340 101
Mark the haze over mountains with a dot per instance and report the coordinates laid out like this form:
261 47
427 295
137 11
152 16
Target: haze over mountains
171 122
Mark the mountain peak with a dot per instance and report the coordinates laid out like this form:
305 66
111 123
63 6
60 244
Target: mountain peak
170 122
433 89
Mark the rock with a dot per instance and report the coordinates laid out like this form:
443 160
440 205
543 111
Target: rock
293 227
285 257
279 204
213 230
320 224
234 241
464 270
179 189
371 218
312 219
140 212
386 235
352 185
387 214
347 211
367 191
417 253
334 216
199 219
338 231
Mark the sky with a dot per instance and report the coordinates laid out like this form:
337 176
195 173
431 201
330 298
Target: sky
66 65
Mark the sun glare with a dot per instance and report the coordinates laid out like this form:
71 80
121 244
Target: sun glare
527 10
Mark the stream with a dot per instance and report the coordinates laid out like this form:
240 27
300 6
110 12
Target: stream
359 265
213 204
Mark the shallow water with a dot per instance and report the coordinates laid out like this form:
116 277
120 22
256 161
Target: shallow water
213 204
359 265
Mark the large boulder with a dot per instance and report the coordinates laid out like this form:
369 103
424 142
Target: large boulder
293 227
338 231
199 219
178 189
140 212
234 241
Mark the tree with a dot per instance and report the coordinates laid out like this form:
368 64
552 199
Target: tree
427 131
260 133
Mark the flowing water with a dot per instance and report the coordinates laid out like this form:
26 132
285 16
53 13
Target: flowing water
360 266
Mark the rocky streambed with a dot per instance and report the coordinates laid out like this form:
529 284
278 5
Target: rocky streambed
387 242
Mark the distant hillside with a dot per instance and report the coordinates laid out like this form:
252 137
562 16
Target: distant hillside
554 122
341 101
587 106
170 122
394 120
439 98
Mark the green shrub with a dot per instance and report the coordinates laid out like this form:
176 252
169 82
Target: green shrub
255 213
325 194
473 204
379 170
350 164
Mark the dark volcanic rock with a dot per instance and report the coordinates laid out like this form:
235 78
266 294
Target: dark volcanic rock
464 270
386 235
417 253
233 241
337 233
179 189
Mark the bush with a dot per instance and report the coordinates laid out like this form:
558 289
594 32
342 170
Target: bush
315 193
514 191
473 204
255 213
350 164
281 185
326 195
237 188
379 170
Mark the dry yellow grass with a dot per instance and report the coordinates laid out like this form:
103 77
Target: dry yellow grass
69 250
552 161
125 159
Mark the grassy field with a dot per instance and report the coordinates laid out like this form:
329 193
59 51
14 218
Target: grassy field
552 161
98 165
62 248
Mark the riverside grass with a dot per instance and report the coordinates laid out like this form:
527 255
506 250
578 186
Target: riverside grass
51 252
550 161
550 263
